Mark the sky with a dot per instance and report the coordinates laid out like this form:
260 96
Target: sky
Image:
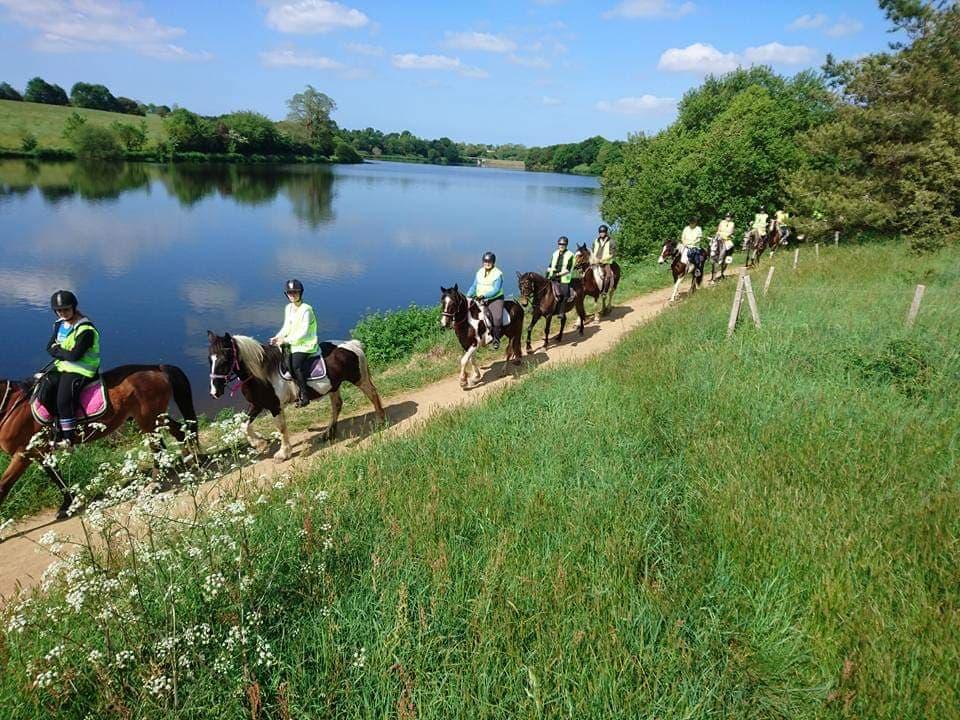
535 72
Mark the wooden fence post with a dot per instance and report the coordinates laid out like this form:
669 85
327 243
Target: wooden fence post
915 305
836 238
752 301
766 285
796 258
816 249
737 299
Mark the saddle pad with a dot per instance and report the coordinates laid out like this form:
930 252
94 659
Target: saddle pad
91 404
317 369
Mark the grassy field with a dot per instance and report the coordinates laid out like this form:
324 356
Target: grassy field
46 123
687 527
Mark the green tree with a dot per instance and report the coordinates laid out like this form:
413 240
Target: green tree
95 142
251 133
40 91
133 137
7 92
95 97
345 153
130 107
72 124
188 132
310 112
29 142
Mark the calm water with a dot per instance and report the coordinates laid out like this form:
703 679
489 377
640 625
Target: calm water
159 254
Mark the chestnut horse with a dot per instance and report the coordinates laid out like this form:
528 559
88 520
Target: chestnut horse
469 322
138 392
536 290
593 281
255 369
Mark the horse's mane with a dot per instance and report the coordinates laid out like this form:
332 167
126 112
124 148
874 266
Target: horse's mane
254 356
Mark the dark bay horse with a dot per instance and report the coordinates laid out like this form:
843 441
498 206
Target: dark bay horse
136 392
754 244
469 322
721 255
536 290
671 251
593 285
255 368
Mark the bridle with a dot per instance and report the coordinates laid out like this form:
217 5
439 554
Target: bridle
458 302
5 413
534 295
232 378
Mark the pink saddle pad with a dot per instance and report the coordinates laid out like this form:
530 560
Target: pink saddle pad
92 404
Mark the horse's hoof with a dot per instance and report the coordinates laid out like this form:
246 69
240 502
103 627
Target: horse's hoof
281 455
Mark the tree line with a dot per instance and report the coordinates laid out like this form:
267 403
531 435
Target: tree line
82 95
869 146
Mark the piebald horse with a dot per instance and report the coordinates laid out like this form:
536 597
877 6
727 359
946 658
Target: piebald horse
468 320
593 281
135 392
671 251
754 244
254 368
720 255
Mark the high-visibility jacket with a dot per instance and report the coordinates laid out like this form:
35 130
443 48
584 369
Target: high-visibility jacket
561 266
760 222
782 216
89 363
691 236
725 229
299 328
487 284
603 250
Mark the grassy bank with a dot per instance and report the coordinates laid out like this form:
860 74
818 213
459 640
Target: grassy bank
408 349
686 527
46 123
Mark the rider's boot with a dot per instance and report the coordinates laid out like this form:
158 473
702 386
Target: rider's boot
496 332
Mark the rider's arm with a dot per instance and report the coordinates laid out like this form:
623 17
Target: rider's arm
84 343
497 285
299 323
473 289
52 345
284 331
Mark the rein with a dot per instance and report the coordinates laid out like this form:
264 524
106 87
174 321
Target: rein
233 376
456 310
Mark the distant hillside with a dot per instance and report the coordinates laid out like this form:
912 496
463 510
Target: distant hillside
46 122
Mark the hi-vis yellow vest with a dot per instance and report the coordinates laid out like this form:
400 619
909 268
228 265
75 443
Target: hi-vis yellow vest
601 250
561 268
89 363
485 282
300 328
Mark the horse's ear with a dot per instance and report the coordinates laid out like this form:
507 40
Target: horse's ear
210 336
456 287
518 274
443 290
226 336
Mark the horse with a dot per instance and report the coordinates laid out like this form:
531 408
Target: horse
134 392
469 322
671 251
536 290
754 243
719 255
593 281
255 368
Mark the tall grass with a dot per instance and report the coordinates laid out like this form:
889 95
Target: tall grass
685 527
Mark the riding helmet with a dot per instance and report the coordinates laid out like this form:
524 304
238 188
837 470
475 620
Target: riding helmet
293 286
562 240
603 229
63 299
489 257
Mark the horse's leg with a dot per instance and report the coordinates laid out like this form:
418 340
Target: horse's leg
676 288
547 319
581 312
256 441
18 465
284 452
465 363
515 347
336 404
63 510
367 388
533 321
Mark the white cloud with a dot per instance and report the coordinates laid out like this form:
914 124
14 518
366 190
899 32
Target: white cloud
632 9
484 42
412 61
535 61
843 27
294 58
774 52
643 105
31 287
96 25
808 22
364 49
547 100
306 17
697 58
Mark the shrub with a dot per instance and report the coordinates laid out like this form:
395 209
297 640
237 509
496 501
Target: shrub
95 143
392 335
346 154
29 142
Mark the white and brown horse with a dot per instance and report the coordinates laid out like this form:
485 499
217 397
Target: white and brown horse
680 267
254 369
720 254
595 282
468 320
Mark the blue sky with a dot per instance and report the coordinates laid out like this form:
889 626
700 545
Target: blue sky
529 71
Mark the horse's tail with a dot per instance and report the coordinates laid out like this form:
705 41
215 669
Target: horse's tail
182 395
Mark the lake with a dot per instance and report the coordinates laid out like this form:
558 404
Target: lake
158 254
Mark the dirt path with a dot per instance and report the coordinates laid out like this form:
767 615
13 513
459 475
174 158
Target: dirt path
22 560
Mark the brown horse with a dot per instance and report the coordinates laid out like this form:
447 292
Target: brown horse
537 291
138 392
593 284
255 369
469 322
754 244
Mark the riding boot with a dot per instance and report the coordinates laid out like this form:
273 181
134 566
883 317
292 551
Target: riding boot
303 396
496 332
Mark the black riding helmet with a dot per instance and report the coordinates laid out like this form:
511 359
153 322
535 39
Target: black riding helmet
293 286
489 257
562 240
63 299
603 229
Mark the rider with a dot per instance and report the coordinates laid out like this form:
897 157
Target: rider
780 221
487 289
298 336
561 269
760 222
75 348
690 240
725 231
604 249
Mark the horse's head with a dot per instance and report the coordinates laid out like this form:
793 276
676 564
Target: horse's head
581 258
224 363
528 288
669 250
451 300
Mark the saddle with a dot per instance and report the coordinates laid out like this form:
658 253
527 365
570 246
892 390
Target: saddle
90 401
484 308
317 369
